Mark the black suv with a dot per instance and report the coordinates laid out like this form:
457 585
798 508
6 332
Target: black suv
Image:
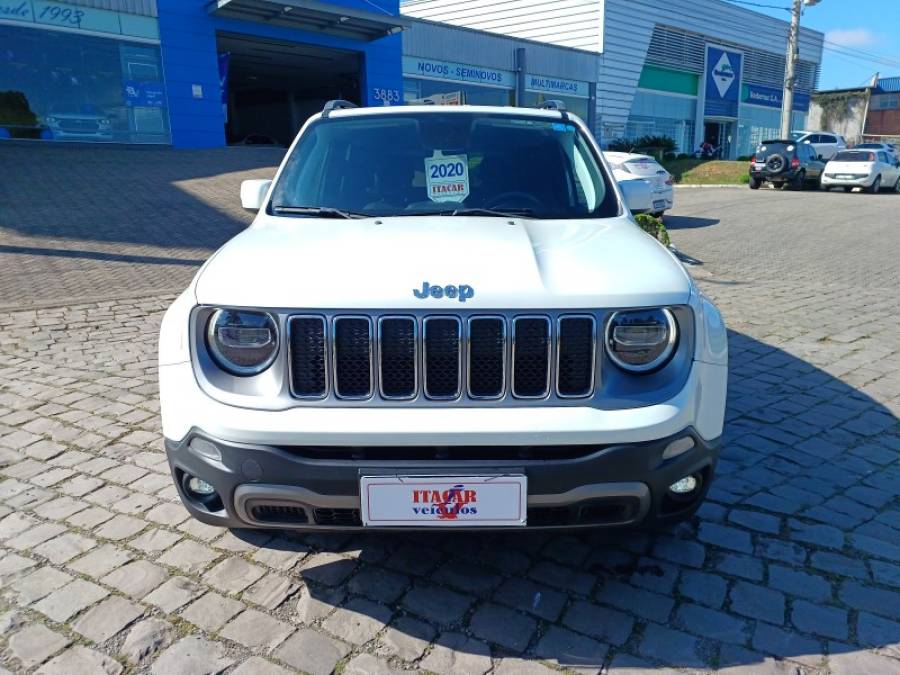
785 163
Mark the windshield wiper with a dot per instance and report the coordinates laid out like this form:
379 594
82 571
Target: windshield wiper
491 213
317 212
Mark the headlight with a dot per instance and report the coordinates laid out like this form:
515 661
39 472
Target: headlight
241 342
641 340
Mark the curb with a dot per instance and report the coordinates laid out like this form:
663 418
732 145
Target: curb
711 185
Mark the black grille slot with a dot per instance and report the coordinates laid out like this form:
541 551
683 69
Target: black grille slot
277 513
442 357
531 357
353 357
308 357
576 348
398 357
337 517
487 357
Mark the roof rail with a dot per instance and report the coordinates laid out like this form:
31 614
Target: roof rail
553 104
337 104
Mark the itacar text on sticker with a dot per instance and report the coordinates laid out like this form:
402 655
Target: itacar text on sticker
447 177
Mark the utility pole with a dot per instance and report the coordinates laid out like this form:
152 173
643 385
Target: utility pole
793 51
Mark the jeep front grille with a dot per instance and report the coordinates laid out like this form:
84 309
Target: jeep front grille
443 358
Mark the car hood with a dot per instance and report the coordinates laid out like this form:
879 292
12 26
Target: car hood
377 263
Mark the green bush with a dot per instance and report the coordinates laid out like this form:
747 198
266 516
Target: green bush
653 226
659 145
744 158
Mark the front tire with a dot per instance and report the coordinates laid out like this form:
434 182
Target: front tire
875 187
897 185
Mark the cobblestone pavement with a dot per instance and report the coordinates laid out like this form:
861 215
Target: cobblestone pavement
79 222
792 566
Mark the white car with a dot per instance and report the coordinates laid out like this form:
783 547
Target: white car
441 317
871 170
890 148
638 191
826 143
627 165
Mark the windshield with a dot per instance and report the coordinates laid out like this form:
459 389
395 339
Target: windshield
873 146
773 148
445 163
853 156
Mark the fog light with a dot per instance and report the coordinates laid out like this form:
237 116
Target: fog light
200 487
684 486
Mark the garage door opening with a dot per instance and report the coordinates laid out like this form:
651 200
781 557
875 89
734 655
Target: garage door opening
273 86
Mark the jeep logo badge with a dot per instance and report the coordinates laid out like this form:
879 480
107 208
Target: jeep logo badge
463 292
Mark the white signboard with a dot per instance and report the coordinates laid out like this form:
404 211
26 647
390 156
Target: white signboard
443 501
557 85
447 177
458 72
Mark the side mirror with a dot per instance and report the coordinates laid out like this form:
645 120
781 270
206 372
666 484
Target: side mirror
253 193
637 194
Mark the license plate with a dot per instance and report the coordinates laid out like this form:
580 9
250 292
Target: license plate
443 501
845 176
659 204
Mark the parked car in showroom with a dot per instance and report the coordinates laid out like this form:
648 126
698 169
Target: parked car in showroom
890 148
785 163
442 317
870 170
627 165
825 143
78 122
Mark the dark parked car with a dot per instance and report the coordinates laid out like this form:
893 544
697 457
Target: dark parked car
786 163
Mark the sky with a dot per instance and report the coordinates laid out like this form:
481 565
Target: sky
857 32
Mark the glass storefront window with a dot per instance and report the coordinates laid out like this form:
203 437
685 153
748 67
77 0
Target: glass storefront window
415 89
69 87
657 114
578 106
757 124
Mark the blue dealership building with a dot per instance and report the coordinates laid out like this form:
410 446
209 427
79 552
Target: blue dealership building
208 73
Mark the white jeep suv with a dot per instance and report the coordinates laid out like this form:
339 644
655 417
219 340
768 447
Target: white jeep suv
441 317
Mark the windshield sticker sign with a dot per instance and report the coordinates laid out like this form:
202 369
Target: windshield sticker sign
447 177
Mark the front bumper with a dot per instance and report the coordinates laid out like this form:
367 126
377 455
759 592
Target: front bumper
307 487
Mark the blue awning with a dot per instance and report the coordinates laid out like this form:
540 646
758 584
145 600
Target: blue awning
312 15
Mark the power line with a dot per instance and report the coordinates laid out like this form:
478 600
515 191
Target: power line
862 56
873 56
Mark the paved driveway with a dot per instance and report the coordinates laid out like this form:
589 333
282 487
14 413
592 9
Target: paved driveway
792 566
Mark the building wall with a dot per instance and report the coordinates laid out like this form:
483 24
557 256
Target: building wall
630 24
188 37
630 32
571 23
848 124
530 72
140 7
